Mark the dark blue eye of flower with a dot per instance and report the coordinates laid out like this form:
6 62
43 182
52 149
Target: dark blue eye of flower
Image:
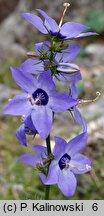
64 161
58 34
61 36
40 97
53 33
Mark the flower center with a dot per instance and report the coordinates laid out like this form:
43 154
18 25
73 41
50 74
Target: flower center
64 161
40 97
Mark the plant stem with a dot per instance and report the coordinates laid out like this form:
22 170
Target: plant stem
47 192
48 145
49 152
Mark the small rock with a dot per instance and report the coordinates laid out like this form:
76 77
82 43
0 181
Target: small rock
96 51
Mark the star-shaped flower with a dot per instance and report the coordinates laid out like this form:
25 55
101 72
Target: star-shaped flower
39 100
68 163
68 30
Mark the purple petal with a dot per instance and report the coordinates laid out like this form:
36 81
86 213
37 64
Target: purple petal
45 82
40 151
21 136
43 177
71 52
32 66
86 34
24 80
18 106
28 123
79 119
60 145
59 102
65 77
68 54
35 21
28 159
74 91
76 144
53 173
42 46
72 29
42 120
82 164
50 23
38 46
68 68
67 183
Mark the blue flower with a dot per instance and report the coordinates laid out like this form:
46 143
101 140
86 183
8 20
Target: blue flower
39 100
26 128
68 162
68 30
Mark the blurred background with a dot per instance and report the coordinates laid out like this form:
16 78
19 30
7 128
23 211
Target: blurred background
18 181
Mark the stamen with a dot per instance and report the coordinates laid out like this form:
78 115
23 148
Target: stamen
63 161
79 169
88 167
9 99
30 99
92 100
37 100
40 95
66 5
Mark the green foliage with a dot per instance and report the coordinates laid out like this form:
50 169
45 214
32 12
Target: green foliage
5 74
95 19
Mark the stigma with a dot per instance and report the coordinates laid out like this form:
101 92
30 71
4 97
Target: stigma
66 5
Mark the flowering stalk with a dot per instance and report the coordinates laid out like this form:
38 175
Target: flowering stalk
40 101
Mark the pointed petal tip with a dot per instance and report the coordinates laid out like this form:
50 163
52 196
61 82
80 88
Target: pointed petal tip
14 69
36 21
21 141
4 112
23 14
38 9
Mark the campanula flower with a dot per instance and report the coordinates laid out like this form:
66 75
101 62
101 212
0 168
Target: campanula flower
26 128
39 100
69 30
68 162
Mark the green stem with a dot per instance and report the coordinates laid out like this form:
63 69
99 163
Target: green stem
47 191
49 152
